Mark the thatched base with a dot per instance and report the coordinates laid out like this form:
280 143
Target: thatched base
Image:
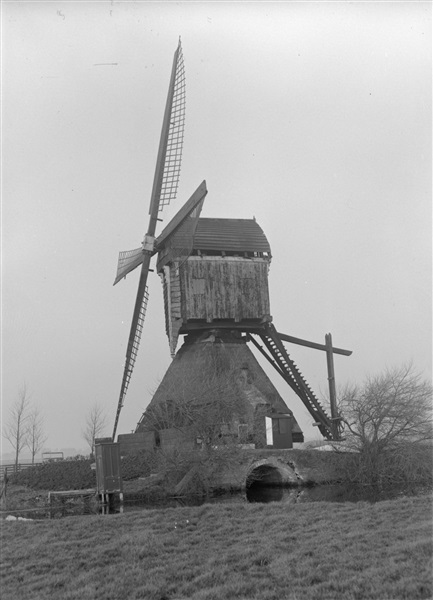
215 387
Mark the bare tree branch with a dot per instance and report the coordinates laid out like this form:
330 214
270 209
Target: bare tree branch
95 425
35 435
390 414
16 427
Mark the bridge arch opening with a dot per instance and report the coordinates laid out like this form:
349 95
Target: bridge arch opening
264 476
264 484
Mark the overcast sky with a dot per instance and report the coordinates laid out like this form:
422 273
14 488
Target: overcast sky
313 117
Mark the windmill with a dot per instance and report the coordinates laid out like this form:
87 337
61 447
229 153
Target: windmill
215 282
218 297
181 227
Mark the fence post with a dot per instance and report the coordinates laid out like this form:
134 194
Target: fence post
4 488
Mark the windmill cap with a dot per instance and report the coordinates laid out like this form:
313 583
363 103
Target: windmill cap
230 235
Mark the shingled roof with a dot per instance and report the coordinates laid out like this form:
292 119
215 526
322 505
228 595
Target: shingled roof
230 235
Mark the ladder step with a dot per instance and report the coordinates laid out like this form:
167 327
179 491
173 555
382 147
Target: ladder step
292 374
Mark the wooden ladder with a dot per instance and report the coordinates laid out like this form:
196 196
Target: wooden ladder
289 371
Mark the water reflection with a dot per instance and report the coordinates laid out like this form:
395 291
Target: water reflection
289 495
331 493
262 494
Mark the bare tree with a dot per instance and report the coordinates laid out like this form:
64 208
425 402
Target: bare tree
389 422
35 435
16 427
95 425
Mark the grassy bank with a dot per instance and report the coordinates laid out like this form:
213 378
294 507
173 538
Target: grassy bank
269 552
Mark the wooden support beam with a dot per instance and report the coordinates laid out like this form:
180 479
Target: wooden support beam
331 383
246 325
301 342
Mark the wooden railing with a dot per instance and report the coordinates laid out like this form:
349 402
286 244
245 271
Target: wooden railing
12 468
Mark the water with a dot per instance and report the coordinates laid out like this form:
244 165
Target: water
262 494
331 493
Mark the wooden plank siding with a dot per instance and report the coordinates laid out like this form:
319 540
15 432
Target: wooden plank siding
172 303
220 287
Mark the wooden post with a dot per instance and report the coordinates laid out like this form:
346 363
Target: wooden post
331 383
4 489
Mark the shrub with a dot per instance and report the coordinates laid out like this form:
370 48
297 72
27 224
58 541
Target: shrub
69 474
389 424
137 465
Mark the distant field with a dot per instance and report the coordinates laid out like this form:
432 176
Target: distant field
320 551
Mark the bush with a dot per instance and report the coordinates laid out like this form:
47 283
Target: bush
388 422
137 465
69 474
181 471
403 464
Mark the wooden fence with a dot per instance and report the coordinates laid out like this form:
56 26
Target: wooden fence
12 468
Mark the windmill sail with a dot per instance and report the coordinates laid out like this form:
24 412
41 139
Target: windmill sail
132 351
176 240
164 190
169 160
167 172
127 262
179 245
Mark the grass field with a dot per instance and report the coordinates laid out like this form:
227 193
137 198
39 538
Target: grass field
220 552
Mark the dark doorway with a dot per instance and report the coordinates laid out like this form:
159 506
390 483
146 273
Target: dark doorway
282 432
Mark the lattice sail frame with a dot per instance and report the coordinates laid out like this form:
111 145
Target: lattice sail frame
164 190
127 262
131 355
173 157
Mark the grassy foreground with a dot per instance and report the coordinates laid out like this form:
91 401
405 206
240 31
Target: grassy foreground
246 551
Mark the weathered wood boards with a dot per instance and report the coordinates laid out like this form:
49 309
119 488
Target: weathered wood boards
224 288
224 279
